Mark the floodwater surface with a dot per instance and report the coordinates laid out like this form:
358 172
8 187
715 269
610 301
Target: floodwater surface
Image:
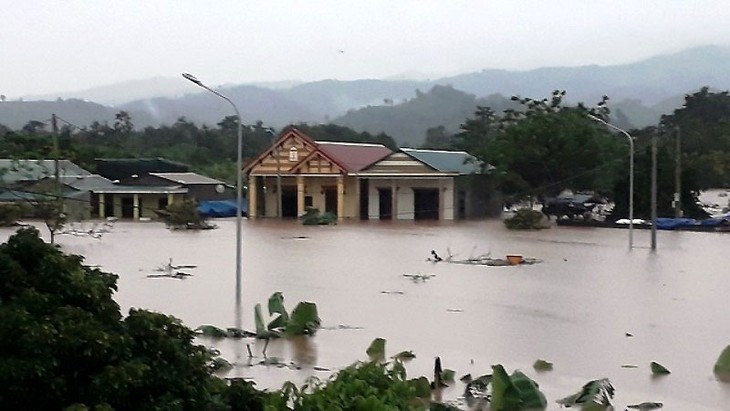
592 307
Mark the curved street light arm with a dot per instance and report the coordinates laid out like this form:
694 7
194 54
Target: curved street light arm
239 195
631 174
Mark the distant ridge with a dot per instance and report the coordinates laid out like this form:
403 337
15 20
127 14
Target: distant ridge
645 89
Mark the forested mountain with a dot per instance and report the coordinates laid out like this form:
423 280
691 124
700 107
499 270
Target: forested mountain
408 121
639 94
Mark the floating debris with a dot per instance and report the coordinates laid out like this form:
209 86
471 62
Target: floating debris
454 310
392 292
646 406
418 277
484 259
169 270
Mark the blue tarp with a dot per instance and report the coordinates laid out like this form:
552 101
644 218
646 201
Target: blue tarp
672 223
221 208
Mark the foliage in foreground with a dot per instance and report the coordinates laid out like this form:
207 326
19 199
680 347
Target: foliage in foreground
304 319
65 343
363 386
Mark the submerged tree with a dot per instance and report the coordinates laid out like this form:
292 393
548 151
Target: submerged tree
544 147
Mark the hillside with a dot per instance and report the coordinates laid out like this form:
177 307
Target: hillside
640 92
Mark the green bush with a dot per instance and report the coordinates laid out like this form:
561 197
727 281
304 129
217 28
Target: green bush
525 219
313 217
11 212
184 215
65 343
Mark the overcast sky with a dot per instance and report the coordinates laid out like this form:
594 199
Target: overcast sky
54 46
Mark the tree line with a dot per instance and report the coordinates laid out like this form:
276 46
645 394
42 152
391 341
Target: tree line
538 147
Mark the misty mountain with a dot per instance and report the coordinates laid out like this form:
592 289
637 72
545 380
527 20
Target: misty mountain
123 92
409 120
79 113
640 93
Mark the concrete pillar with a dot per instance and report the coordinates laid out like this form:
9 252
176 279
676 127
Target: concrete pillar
135 206
102 211
442 194
170 197
252 192
340 197
300 196
394 200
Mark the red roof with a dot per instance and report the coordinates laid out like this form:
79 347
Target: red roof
353 156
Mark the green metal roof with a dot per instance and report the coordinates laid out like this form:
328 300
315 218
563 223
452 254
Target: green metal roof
447 161
13 171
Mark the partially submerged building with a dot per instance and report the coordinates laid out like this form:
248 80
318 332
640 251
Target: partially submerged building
367 181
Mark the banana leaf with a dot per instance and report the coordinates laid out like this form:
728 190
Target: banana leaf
304 319
261 331
515 392
596 394
376 350
722 366
211 331
542 365
658 369
505 396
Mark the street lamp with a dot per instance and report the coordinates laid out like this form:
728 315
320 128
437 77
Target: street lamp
631 175
239 196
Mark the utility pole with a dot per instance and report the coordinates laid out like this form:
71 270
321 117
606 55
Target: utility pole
56 173
54 222
678 175
653 190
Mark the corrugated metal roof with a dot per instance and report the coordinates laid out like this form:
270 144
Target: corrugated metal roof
140 190
354 156
187 178
12 171
86 182
447 161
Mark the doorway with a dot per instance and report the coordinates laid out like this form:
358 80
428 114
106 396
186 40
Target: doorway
385 203
426 203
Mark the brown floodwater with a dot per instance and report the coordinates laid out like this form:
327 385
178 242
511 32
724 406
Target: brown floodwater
574 308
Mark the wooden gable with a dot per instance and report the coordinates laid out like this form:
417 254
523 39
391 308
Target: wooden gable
318 163
284 155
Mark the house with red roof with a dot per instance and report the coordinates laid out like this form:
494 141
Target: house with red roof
365 181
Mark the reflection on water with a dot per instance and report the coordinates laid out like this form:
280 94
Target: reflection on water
574 308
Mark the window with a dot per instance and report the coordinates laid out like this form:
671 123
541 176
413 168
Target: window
293 154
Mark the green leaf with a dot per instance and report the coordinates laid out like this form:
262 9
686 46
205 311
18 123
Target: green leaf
596 393
376 350
505 395
421 387
542 365
722 366
304 319
220 364
404 356
276 305
658 369
211 331
530 395
261 330
448 375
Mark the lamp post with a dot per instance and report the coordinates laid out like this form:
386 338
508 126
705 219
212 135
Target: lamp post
239 196
631 175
